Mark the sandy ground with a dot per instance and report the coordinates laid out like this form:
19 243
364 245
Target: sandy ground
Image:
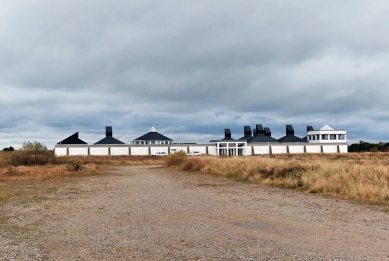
150 213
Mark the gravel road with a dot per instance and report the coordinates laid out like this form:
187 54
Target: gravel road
151 213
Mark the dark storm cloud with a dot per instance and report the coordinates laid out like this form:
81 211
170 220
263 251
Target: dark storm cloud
191 69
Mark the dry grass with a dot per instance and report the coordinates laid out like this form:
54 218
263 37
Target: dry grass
12 173
22 165
362 177
111 160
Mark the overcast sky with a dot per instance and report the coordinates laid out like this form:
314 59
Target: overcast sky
191 68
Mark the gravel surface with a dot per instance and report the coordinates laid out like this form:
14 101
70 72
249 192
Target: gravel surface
151 213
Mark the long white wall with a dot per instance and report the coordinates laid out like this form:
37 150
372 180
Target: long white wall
211 149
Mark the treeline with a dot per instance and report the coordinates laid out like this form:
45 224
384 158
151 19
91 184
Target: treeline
366 146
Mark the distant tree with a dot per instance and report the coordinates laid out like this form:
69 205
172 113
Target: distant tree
9 149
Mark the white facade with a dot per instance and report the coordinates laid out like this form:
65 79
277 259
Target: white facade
326 135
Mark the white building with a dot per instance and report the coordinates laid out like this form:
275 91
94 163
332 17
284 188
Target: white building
326 135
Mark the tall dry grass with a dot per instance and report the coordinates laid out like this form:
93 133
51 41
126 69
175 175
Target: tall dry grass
342 176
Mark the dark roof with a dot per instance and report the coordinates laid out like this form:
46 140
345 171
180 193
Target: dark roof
310 128
291 138
109 140
262 138
153 136
227 133
108 137
73 139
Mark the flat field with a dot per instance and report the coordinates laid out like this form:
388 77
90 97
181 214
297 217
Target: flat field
155 213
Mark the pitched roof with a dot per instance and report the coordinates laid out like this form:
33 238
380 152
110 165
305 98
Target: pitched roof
72 139
261 138
291 138
109 140
153 135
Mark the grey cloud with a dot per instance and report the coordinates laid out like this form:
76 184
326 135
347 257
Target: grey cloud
82 65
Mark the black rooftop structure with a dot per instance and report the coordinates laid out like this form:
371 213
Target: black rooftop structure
289 130
108 138
290 136
260 135
259 130
153 135
73 139
227 134
310 128
267 132
246 133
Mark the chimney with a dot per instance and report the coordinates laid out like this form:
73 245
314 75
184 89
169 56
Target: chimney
259 129
289 130
267 131
108 131
227 133
309 128
247 131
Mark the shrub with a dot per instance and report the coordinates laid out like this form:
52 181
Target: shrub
176 159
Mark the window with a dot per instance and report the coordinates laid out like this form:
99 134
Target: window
341 137
153 142
333 137
324 136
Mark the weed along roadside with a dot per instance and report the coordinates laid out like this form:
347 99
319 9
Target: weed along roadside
357 177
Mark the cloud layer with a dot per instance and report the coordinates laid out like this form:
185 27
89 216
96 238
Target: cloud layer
191 69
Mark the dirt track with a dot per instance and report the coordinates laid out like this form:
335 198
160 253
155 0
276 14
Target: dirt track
150 213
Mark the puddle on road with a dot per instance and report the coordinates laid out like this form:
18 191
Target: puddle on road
268 227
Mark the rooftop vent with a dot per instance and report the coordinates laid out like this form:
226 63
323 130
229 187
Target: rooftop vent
267 131
259 129
310 128
326 127
247 131
289 130
108 131
153 129
254 132
227 133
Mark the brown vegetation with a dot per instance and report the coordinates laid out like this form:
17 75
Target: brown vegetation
361 177
23 165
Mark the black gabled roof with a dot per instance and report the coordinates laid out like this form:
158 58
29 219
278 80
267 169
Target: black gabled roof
73 139
153 136
109 140
261 138
291 138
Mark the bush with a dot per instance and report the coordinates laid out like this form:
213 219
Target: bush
176 159
34 147
9 149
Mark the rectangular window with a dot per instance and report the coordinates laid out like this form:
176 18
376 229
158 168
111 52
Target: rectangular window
324 136
152 142
318 137
341 137
333 137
